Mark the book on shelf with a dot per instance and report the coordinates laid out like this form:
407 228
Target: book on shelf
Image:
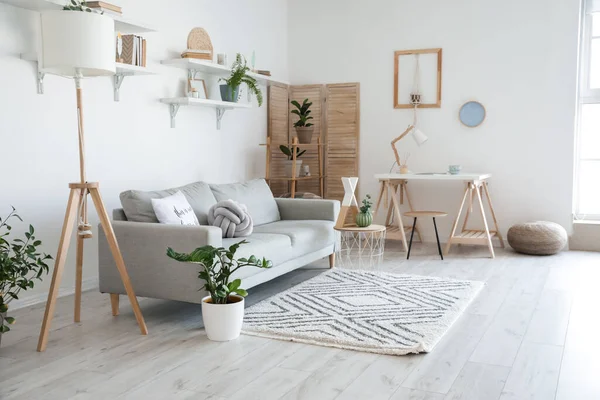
263 72
133 50
104 6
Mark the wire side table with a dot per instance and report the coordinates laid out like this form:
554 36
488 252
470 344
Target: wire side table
361 247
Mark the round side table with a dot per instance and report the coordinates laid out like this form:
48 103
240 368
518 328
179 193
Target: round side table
361 247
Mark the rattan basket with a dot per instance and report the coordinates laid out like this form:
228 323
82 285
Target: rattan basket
198 45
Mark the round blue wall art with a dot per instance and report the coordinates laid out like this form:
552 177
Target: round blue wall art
472 114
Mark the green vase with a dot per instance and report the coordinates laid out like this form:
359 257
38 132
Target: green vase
364 219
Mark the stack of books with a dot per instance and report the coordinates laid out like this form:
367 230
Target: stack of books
133 50
104 7
263 72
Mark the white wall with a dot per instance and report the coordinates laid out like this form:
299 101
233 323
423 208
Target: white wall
519 58
129 144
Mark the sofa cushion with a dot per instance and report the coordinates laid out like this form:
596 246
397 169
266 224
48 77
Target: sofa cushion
137 204
255 194
273 247
306 236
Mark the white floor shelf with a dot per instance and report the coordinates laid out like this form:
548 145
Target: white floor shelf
122 24
219 106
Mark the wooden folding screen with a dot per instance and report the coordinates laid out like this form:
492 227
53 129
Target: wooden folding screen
278 131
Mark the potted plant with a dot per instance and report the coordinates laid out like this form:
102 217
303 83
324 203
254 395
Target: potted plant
290 161
365 217
230 91
20 265
223 308
304 129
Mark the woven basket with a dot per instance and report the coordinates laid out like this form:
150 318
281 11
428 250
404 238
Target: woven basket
198 39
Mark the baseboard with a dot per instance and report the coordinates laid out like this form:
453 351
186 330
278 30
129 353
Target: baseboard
27 301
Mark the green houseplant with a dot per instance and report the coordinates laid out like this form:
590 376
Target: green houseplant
223 308
78 5
365 217
239 74
21 264
304 129
287 150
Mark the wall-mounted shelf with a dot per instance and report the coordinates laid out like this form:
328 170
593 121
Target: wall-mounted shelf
122 24
122 70
219 106
207 67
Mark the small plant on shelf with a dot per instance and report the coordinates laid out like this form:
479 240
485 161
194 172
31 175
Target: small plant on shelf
365 217
21 264
288 151
78 5
239 74
289 163
304 129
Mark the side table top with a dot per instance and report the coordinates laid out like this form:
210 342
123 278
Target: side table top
354 228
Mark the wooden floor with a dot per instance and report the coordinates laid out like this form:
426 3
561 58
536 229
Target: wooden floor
532 333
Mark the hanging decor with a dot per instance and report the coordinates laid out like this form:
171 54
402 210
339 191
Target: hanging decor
472 114
427 73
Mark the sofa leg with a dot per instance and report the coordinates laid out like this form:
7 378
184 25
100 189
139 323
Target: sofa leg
332 260
114 304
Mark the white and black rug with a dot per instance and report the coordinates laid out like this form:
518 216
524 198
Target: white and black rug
363 310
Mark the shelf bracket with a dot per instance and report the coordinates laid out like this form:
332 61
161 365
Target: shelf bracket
173 109
220 112
40 82
118 80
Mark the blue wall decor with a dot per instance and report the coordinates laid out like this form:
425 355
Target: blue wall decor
472 114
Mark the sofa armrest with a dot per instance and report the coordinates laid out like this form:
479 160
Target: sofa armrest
302 209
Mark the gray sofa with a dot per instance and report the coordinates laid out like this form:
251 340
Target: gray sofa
289 232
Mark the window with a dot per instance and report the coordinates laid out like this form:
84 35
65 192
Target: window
587 168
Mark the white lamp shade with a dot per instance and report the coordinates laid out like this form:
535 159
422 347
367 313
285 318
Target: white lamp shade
75 42
419 136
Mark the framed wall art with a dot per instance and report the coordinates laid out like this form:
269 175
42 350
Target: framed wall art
418 78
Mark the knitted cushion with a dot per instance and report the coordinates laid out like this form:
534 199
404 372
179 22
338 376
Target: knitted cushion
537 238
232 217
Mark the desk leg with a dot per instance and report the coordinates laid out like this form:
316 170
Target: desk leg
470 209
380 197
398 215
455 224
485 224
405 186
489 200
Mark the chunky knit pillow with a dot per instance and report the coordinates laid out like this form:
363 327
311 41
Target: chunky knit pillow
232 217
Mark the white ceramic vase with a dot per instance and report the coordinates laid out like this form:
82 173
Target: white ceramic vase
223 322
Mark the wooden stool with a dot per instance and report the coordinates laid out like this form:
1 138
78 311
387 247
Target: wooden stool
433 214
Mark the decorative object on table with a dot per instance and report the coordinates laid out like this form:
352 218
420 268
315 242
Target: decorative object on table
77 5
415 215
537 238
21 264
423 86
304 129
133 50
364 311
104 7
199 45
239 75
197 86
222 59
472 114
349 200
292 164
119 48
365 217
403 164
223 309
306 170
91 55
232 217
174 210
454 169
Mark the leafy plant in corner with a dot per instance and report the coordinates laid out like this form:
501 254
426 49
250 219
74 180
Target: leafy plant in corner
366 205
302 111
239 75
21 264
218 264
288 151
78 5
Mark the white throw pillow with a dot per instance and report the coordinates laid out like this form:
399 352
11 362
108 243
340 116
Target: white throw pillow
174 209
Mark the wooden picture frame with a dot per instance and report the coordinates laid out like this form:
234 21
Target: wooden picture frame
199 85
432 80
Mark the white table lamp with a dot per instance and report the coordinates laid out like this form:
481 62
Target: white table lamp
80 44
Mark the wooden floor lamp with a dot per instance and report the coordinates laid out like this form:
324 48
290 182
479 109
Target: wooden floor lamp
79 45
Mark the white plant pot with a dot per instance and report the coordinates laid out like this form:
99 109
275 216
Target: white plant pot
288 167
223 322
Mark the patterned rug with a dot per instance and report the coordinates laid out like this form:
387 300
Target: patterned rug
363 310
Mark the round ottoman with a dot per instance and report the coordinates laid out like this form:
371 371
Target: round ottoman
537 238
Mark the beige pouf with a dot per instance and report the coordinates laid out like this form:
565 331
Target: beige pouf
537 238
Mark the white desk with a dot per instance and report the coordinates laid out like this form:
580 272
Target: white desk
476 189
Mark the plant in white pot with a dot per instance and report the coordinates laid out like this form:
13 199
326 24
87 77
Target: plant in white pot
304 129
230 91
223 308
289 163
20 266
